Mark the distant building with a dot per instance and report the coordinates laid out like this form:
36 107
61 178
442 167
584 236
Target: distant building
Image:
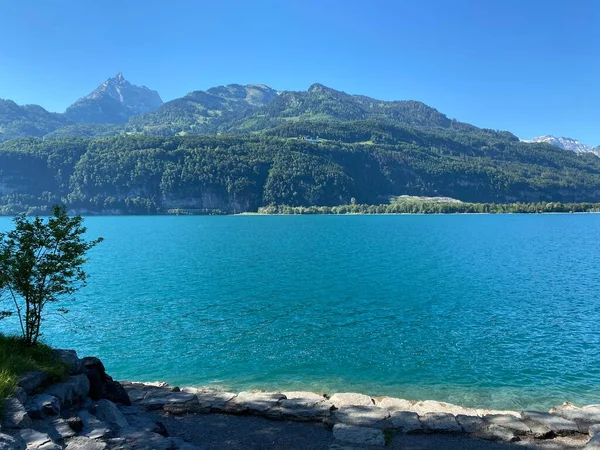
309 139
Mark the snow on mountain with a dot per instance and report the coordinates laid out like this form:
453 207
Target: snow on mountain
566 144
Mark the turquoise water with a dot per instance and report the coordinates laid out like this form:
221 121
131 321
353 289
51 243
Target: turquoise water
496 311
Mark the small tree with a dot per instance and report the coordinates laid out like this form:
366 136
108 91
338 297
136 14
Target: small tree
41 262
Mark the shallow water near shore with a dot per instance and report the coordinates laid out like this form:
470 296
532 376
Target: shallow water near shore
499 311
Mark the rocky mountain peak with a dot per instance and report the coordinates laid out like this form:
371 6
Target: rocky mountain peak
565 143
114 101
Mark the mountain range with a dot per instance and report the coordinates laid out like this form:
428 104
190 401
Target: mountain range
239 147
117 107
566 144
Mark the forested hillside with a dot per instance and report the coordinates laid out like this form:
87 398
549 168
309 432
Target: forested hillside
364 161
238 148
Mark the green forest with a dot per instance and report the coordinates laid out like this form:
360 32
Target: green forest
367 162
236 148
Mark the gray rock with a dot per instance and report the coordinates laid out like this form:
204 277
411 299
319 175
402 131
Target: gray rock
440 423
15 414
594 430
358 435
85 443
351 399
75 423
493 432
394 404
469 424
509 422
210 399
59 429
589 415
70 358
159 398
254 402
30 382
41 404
11 443
56 427
365 416
71 391
34 440
92 427
20 394
593 443
556 424
406 421
108 412
308 409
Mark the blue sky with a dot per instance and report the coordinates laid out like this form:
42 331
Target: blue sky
528 66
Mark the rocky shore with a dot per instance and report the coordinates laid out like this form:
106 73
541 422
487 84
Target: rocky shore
92 411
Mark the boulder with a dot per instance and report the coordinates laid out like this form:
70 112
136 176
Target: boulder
94 428
175 401
364 416
584 417
108 412
70 392
593 443
15 415
75 423
70 359
20 394
440 423
556 424
34 440
493 432
469 424
594 430
8 442
394 404
101 384
406 421
41 404
85 443
304 406
254 402
351 399
509 422
358 435
31 382
211 399
57 428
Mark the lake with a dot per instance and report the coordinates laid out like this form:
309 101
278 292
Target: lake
495 311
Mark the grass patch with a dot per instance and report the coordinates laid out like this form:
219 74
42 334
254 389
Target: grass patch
17 358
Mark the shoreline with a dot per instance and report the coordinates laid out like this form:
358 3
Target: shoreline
352 416
90 410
